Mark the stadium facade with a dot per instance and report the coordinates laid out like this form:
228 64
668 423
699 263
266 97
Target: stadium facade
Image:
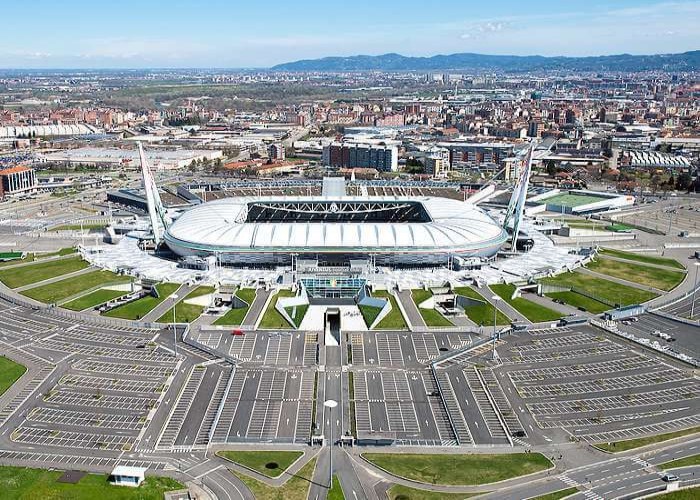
335 229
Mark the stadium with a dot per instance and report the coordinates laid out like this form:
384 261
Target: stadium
400 231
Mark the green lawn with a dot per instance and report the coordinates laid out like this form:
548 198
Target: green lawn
234 317
394 320
263 461
577 300
297 313
18 483
31 257
400 492
369 314
647 259
296 488
430 316
10 372
272 319
139 308
556 495
77 227
531 310
481 314
465 469
662 279
40 271
63 289
631 444
602 288
688 494
93 299
186 313
336 491
681 462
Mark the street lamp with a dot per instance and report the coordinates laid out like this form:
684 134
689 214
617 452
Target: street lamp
695 287
174 297
330 404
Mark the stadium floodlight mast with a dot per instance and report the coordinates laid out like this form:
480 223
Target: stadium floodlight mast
695 287
330 404
174 297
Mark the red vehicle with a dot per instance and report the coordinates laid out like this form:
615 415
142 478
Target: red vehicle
237 332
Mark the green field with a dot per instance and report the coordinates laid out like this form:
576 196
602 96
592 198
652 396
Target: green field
10 372
531 310
662 279
394 320
272 319
465 469
18 483
77 227
297 313
556 495
481 314
336 491
40 271
430 316
614 293
139 308
401 492
630 444
186 313
60 290
577 300
645 259
31 257
263 461
571 200
681 462
686 494
296 488
234 317
93 299
369 314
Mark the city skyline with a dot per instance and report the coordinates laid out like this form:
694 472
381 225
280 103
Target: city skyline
78 34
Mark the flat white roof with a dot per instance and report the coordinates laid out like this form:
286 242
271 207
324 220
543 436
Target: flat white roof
125 470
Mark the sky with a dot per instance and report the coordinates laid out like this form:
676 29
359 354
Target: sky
258 34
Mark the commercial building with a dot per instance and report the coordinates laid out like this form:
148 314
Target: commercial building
17 180
357 155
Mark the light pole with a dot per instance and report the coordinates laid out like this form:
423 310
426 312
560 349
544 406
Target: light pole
174 297
330 404
695 287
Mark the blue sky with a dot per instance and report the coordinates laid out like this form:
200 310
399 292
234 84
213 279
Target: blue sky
217 33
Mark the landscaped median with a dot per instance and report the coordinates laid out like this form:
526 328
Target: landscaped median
68 287
137 309
681 462
630 444
459 469
531 310
480 313
16 277
10 372
401 492
394 320
269 463
296 488
184 312
272 319
235 316
431 316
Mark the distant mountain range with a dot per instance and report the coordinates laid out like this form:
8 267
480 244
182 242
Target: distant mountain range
687 61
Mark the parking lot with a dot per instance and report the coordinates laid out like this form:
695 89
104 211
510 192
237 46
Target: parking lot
684 307
594 387
686 338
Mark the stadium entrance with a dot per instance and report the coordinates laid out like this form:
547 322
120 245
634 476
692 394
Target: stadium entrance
324 288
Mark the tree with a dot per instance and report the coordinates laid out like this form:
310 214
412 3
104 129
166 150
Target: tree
551 167
684 182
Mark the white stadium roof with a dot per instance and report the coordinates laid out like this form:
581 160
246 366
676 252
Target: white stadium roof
224 226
